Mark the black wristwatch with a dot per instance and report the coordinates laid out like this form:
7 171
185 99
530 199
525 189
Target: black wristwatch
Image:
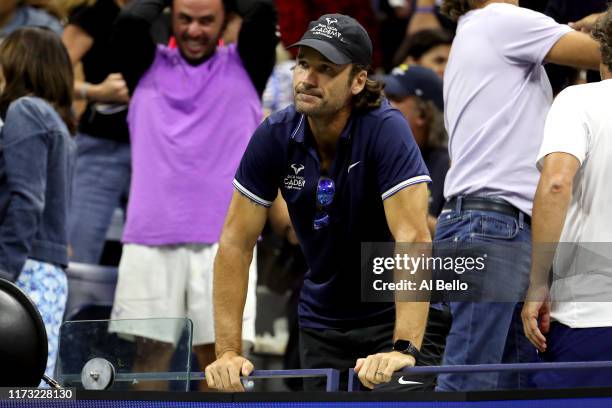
406 347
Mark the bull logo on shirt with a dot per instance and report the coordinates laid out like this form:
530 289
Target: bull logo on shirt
297 168
295 181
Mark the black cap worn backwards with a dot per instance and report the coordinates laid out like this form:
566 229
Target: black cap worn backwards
341 39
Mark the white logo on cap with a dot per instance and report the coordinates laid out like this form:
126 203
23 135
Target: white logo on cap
329 30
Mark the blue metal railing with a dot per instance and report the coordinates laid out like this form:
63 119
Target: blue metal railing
332 375
354 384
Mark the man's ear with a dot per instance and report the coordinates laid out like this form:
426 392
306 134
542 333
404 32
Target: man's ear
409 60
420 120
425 114
359 82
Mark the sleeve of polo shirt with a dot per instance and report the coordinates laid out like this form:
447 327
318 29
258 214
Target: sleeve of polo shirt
399 163
522 35
566 129
258 174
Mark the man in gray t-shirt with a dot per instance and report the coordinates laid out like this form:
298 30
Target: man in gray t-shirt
497 95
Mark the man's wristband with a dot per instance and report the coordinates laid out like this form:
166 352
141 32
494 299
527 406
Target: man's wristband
84 89
425 10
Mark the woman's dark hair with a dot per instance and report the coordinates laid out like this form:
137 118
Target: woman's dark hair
454 9
371 95
602 33
35 63
417 44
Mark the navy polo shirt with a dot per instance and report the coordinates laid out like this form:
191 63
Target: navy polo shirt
375 158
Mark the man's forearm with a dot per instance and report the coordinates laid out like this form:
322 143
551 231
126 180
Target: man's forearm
425 4
410 321
230 283
411 316
549 211
132 41
576 50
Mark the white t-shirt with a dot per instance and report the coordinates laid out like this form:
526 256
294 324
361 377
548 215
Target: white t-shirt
580 123
496 96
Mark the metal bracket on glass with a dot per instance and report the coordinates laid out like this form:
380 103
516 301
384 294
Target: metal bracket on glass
98 374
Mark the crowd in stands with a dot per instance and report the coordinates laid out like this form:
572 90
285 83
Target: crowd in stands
150 105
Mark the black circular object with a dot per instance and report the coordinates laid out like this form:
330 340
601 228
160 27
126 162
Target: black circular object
23 339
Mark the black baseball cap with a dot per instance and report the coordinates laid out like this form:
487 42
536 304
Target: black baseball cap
341 39
414 80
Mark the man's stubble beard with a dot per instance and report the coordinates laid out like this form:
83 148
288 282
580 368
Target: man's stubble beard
323 109
313 111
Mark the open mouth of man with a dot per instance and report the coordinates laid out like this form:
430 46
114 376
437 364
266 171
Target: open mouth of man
194 47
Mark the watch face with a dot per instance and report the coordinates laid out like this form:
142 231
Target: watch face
402 346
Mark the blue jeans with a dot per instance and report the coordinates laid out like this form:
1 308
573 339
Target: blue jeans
101 184
488 331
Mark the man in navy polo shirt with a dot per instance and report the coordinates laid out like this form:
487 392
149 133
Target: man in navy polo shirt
350 171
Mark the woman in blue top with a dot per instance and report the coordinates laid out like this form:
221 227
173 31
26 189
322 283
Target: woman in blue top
36 161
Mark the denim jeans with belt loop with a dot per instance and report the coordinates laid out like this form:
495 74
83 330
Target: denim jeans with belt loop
487 329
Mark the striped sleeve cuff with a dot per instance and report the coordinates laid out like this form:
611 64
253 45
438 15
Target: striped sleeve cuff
404 184
253 197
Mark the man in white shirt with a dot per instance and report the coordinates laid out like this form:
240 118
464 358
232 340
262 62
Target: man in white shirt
572 208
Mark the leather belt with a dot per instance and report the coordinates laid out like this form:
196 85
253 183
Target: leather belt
487 204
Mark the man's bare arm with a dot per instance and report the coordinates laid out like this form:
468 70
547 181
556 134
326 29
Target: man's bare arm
243 224
550 206
575 49
406 214
423 17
